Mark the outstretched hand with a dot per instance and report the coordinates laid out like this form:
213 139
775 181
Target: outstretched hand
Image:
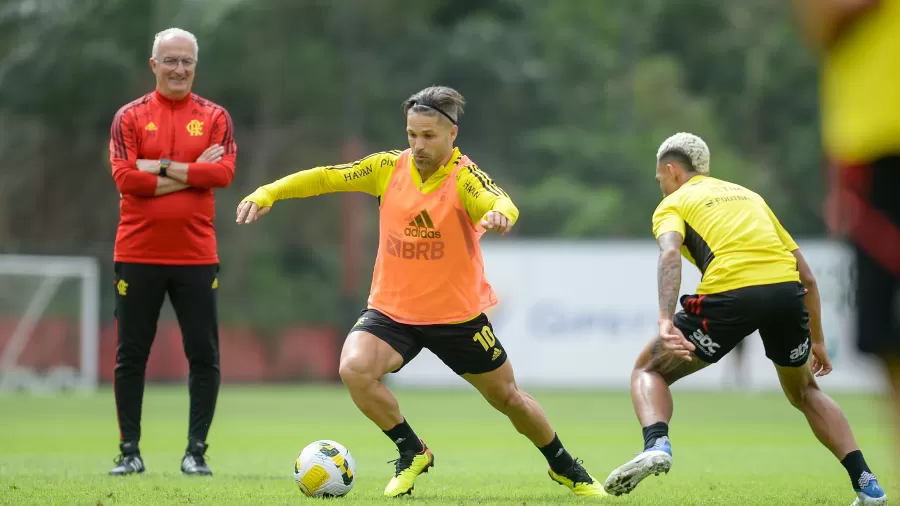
248 212
496 222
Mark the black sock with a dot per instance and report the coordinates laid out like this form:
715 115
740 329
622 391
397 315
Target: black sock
557 456
129 448
403 436
196 447
857 468
654 432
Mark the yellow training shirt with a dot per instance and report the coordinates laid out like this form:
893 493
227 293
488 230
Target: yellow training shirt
372 174
729 233
861 88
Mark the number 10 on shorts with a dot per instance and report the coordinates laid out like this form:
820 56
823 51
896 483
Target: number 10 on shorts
486 338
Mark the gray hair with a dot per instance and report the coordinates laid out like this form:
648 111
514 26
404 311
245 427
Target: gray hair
436 100
688 146
170 33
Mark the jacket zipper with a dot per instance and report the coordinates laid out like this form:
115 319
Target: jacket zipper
171 123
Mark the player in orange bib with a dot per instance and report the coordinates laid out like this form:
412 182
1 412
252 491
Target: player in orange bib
429 288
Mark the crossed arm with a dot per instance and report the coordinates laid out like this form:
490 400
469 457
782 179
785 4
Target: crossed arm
177 174
140 177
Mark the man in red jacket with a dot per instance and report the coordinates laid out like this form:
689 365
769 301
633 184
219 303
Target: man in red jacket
168 150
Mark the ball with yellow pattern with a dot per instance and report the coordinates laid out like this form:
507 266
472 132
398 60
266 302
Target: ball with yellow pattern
325 469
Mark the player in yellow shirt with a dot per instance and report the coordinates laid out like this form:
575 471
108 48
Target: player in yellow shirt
859 43
429 289
753 278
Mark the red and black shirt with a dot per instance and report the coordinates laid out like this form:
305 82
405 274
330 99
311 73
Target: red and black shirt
177 228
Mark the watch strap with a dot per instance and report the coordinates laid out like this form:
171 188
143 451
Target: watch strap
163 166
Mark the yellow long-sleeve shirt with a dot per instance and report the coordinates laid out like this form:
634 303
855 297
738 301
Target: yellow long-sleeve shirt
372 174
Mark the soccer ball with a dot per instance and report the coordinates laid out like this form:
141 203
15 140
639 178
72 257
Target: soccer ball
325 469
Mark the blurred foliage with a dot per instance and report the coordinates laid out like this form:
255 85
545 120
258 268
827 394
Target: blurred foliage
568 101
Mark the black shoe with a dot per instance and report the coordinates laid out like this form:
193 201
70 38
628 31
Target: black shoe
129 461
194 461
578 474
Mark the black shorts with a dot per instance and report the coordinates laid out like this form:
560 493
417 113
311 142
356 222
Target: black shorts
872 190
466 348
716 323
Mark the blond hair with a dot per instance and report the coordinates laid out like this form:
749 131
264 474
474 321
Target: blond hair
689 146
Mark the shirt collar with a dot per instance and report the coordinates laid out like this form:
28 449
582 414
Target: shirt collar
695 179
170 102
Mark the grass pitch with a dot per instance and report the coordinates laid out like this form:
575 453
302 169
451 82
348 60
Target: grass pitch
732 449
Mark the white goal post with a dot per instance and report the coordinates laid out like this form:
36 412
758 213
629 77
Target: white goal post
52 271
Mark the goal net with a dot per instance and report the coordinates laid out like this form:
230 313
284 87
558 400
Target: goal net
49 323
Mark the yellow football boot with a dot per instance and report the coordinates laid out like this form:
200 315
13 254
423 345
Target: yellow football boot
408 467
579 481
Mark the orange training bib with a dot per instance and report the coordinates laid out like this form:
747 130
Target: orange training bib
429 268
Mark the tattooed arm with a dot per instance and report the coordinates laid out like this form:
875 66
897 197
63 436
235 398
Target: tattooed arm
668 228
669 280
669 274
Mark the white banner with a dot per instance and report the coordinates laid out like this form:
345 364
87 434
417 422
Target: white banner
577 314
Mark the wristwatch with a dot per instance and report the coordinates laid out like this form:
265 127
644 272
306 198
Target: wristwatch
163 165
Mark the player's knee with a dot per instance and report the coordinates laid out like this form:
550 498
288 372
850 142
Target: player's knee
508 399
129 366
651 360
204 362
132 356
644 361
799 397
516 400
348 371
202 356
354 371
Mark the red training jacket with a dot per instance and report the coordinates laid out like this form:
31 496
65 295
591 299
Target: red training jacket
173 229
